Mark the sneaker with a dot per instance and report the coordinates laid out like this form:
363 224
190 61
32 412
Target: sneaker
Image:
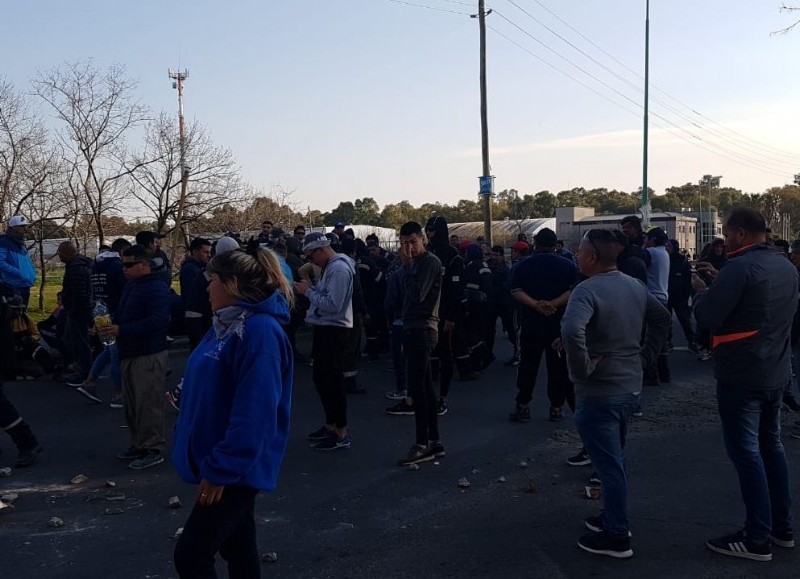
637 413
334 443
556 414
693 348
90 391
321 433
437 448
401 409
790 403
580 459
149 458
441 407
28 457
783 539
594 480
704 356
595 524
74 380
116 401
602 543
520 414
416 454
131 453
738 545
397 395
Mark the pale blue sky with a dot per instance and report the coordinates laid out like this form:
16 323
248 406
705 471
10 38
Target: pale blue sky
351 98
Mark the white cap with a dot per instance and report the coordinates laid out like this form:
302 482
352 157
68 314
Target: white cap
226 244
17 221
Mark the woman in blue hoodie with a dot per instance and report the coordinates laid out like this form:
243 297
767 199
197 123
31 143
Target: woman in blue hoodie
234 422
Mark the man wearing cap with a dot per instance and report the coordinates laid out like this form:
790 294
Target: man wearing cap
152 243
17 274
541 284
331 315
338 229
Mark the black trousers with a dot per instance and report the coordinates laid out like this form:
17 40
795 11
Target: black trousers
559 387
228 528
14 425
508 316
418 345
76 338
684 315
330 352
450 350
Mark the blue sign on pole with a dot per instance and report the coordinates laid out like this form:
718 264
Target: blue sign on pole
486 185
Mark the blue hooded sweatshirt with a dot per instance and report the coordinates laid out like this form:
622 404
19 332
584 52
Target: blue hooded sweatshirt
236 402
16 268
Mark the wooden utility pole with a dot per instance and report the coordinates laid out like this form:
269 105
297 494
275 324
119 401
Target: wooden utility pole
486 188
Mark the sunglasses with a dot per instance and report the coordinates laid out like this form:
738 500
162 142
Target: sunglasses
130 264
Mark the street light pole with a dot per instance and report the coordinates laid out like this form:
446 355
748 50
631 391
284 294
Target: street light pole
645 192
486 179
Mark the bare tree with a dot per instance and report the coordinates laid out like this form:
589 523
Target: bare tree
24 160
785 8
97 110
155 175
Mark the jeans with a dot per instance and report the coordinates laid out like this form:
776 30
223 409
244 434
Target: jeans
227 527
602 423
418 345
398 358
109 356
751 429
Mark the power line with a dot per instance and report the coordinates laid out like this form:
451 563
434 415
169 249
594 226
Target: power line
432 7
635 103
751 143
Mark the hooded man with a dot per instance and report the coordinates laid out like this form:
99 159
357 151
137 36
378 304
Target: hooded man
17 275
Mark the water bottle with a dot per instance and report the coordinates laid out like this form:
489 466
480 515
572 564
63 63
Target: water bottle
102 318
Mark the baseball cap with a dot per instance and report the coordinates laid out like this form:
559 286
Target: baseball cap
315 240
147 237
520 246
339 225
226 243
18 221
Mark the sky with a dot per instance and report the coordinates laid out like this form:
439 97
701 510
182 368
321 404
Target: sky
345 99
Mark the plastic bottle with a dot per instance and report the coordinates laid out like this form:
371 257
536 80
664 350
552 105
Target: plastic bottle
102 318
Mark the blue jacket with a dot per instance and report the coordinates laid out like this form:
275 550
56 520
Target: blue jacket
194 287
236 402
143 317
16 268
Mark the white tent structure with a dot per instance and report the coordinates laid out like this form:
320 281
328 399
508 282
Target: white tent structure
503 232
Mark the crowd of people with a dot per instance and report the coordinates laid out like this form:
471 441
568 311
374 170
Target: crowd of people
601 317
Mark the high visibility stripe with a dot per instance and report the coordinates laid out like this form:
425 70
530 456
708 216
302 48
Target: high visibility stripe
363 266
741 249
379 276
485 270
13 424
473 286
719 340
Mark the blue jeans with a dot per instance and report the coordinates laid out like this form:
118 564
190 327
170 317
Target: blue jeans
602 423
109 356
751 429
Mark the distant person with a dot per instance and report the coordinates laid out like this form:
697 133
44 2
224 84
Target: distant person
140 328
266 232
231 435
17 274
300 233
151 241
76 297
194 290
338 229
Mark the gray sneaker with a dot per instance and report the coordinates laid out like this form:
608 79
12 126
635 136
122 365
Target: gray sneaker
151 458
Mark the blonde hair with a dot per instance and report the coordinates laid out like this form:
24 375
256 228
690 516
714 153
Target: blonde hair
251 276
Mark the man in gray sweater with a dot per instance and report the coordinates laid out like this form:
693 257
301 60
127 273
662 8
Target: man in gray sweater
600 333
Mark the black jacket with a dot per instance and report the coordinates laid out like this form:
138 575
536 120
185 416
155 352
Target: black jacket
633 261
76 290
194 287
749 309
421 293
680 278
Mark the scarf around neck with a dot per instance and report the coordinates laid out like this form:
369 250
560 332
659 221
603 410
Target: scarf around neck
230 320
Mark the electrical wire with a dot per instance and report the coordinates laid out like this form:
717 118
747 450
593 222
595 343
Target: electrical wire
431 7
750 143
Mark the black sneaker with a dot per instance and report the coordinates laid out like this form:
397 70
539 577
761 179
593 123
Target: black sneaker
334 443
441 407
131 453
401 409
520 414
321 433
595 524
602 543
90 391
738 545
148 459
28 457
74 380
783 539
790 403
437 448
594 480
416 454
580 459
556 414
693 348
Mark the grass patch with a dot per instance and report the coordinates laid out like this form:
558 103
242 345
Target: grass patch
54 279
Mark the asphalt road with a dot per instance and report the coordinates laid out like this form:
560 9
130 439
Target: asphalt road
354 514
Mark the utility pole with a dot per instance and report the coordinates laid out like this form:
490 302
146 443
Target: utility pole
645 192
178 77
486 178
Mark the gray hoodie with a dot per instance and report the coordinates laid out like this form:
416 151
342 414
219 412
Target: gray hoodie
604 320
332 297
